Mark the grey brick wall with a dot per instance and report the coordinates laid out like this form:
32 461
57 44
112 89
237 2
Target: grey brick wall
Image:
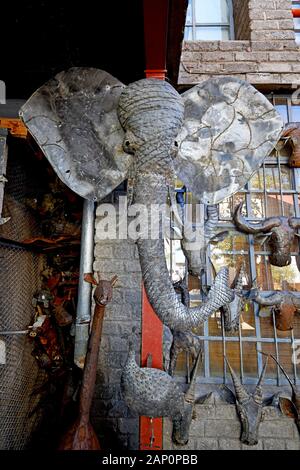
217 427
113 422
265 52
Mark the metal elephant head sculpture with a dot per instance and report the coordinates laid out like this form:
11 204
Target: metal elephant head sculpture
280 233
97 132
284 305
249 406
154 393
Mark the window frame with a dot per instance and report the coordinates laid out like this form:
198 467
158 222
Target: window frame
194 24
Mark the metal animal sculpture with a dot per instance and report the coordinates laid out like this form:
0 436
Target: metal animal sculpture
249 406
97 132
232 311
279 232
81 435
284 305
194 243
154 393
290 407
184 341
292 133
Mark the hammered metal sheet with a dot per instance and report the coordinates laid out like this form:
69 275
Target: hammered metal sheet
74 120
229 128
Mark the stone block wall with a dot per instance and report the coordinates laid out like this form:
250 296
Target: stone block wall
217 427
113 422
268 54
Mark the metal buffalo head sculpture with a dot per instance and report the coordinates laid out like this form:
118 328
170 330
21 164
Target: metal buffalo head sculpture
154 393
249 406
280 233
284 305
97 132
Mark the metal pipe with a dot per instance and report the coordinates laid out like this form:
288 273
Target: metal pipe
3 164
83 311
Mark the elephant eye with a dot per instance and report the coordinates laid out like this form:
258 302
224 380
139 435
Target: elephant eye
176 143
127 143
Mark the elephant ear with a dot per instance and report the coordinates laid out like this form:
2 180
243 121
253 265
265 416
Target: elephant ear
229 128
73 118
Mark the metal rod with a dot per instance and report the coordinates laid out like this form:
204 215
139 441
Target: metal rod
294 356
16 332
241 351
224 347
83 311
276 347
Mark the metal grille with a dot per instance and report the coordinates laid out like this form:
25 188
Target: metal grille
273 190
19 279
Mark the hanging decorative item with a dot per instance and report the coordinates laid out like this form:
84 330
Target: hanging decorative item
213 137
279 232
81 435
249 406
290 407
154 393
291 133
283 304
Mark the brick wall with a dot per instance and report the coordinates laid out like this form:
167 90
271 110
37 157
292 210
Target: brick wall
113 422
217 427
269 57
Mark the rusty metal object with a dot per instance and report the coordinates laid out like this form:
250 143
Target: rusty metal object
47 350
284 304
279 232
292 133
249 406
184 341
81 435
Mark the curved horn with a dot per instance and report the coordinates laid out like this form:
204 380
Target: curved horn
241 393
257 395
294 222
190 393
284 373
273 299
244 226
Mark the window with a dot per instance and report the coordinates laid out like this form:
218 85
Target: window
210 20
296 11
273 190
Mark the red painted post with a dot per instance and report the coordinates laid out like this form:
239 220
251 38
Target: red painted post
296 12
155 34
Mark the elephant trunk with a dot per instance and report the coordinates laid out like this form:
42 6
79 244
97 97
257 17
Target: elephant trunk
151 192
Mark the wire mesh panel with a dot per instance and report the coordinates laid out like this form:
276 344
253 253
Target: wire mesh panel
19 279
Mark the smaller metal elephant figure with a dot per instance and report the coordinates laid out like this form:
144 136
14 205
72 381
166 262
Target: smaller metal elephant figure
290 407
279 232
249 406
284 305
184 341
152 392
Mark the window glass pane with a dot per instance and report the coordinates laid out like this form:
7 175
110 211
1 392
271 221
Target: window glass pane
277 278
295 112
188 33
297 23
211 33
227 207
189 14
257 206
214 11
280 105
248 320
297 34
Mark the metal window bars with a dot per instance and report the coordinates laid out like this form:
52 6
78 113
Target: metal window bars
259 339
